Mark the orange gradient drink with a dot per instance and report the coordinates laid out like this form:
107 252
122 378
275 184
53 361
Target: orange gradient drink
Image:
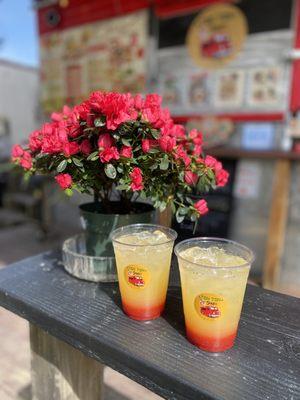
143 257
213 274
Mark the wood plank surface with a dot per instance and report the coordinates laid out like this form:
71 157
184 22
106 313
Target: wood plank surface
277 224
264 363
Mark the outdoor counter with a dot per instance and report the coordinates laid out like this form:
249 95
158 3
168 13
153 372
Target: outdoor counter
73 323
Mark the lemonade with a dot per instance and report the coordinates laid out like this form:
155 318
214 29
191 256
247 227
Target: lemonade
143 257
213 275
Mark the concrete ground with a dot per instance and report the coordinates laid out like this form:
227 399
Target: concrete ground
17 243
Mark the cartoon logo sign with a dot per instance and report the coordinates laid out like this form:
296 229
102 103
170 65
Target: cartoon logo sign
217 35
136 276
210 306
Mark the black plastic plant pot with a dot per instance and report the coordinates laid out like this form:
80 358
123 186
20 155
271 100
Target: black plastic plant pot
99 224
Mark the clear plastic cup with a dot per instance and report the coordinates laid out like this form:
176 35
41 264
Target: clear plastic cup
213 274
143 257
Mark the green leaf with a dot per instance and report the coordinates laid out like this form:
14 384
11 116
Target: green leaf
194 217
99 122
77 162
155 133
162 206
110 171
126 142
180 196
183 210
122 187
153 151
189 200
61 166
27 176
143 195
69 192
153 167
210 173
164 164
179 218
93 155
173 207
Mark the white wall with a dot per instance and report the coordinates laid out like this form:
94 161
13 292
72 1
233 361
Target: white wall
19 99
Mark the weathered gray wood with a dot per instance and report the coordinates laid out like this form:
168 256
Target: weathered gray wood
263 364
61 372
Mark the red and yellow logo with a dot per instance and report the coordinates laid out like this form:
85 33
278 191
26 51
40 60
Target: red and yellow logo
210 306
137 276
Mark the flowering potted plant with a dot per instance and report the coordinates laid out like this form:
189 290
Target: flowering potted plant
127 146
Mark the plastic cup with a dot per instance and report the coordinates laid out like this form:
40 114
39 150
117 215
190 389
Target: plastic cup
143 257
213 290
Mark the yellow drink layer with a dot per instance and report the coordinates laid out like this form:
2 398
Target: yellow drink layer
143 263
212 293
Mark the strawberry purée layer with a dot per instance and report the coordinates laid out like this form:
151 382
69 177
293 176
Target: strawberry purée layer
210 343
143 313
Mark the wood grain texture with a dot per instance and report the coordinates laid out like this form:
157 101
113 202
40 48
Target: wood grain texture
264 363
61 372
277 224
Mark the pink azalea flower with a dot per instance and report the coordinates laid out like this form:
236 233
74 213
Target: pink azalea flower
105 140
181 154
201 207
85 147
117 107
190 178
210 161
110 153
222 178
64 180
167 143
71 148
136 179
126 151
196 136
35 140
145 145
17 151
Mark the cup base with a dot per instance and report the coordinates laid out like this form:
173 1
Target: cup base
143 314
211 344
143 319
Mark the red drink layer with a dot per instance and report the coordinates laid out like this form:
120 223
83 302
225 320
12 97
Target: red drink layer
211 343
143 313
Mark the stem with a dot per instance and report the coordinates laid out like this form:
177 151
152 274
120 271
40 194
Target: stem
126 202
96 195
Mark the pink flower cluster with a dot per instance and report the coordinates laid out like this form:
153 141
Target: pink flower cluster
21 156
221 174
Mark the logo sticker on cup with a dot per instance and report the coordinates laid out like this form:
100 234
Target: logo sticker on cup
137 276
210 306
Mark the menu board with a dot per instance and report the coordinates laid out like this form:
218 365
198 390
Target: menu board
106 55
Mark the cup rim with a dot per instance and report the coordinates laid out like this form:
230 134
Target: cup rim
163 228
216 239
